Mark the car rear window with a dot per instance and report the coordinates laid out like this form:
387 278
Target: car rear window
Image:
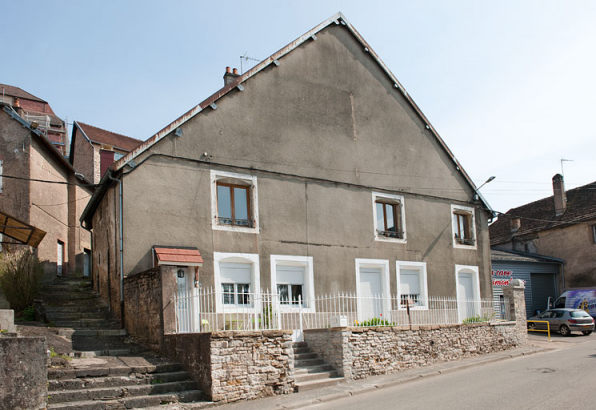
579 313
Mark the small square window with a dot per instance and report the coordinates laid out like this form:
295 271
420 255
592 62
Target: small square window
292 278
464 229
389 217
412 284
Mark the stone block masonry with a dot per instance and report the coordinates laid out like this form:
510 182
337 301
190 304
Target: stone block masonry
231 366
23 373
361 352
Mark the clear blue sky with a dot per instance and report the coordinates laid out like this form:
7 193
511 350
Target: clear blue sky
509 85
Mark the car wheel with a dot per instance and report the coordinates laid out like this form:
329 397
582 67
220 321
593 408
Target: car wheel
564 330
587 332
532 326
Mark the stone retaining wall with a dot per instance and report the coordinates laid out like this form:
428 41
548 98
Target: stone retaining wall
23 373
364 352
148 308
231 366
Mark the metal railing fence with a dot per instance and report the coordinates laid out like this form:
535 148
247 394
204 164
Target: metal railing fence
207 310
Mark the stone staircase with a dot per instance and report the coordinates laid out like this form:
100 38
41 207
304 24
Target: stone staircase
311 371
106 370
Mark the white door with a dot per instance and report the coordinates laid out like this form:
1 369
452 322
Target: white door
371 293
184 313
465 296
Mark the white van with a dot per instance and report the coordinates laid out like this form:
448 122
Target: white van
584 299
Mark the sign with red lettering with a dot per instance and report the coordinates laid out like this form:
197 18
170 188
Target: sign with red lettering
501 278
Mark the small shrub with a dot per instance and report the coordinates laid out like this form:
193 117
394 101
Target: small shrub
375 322
478 319
29 314
20 276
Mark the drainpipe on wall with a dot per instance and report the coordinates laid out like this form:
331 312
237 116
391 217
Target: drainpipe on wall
121 252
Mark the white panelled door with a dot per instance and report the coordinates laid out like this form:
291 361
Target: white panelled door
371 292
465 296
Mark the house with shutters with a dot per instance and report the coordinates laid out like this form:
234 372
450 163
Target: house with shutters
312 173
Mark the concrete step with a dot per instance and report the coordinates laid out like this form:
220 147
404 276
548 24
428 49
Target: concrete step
131 402
99 332
312 369
98 314
301 350
86 354
305 356
297 345
307 377
114 381
65 296
308 362
106 371
94 324
101 308
114 392
317 384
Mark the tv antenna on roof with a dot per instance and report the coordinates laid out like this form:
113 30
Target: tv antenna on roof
564 160
245 57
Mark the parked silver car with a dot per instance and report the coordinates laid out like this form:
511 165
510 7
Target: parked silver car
564 321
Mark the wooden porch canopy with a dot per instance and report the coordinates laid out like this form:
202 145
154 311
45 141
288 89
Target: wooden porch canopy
20 231
177 256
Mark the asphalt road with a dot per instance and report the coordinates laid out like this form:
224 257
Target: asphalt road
560 379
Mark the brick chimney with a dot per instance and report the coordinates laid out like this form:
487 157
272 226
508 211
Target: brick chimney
559 194
230 75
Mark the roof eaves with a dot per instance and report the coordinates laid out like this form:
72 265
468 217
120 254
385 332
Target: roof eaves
542 258
49 145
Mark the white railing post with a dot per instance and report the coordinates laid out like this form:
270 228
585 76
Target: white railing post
300 311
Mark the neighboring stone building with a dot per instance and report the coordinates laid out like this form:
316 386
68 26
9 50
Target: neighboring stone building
93 150
37 112
39 187
314 172
561 226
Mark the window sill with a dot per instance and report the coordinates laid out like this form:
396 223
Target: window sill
458 245
235 228
382 238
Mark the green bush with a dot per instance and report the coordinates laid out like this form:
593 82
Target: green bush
375 322
20 277
477 319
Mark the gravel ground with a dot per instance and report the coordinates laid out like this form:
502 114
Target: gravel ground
60 344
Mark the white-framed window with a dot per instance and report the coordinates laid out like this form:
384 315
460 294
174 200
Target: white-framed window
467 286
372 289
234 205
237 279
389 217
463 227
412 286
292 278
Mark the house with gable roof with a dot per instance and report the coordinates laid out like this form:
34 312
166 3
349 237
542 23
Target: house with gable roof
39 188
314 172
93 150
560 226
36 111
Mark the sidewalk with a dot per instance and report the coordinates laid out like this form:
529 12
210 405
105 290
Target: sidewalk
355 387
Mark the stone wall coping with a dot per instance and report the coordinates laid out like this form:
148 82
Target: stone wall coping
134 275
401 328
503 323
231 334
